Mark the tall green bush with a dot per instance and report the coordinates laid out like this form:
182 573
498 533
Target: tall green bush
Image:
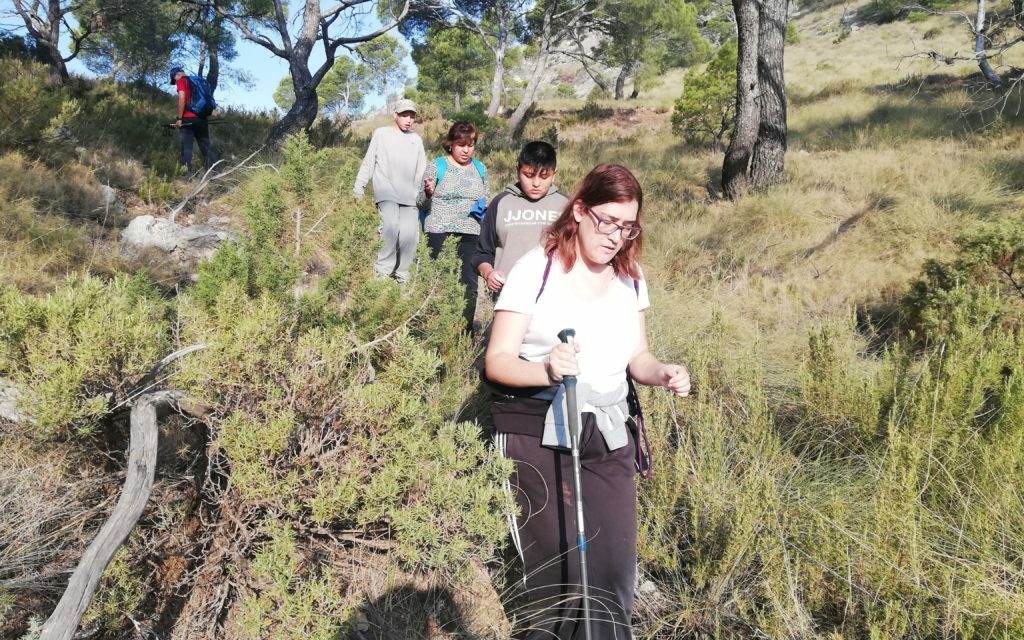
893 514
983 286
75 353
704 112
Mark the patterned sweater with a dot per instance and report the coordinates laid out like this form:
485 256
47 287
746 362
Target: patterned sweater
452 199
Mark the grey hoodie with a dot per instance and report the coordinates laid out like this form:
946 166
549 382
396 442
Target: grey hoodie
514 224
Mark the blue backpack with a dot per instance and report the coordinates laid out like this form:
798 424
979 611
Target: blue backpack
479 207
201 102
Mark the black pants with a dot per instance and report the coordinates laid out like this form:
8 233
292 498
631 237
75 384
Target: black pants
465 249
546 532
197 129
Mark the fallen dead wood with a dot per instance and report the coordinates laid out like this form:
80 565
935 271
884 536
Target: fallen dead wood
142 454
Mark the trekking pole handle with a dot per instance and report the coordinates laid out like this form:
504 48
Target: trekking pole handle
568 336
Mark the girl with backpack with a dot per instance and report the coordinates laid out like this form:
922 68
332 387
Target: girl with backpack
454 196
585 276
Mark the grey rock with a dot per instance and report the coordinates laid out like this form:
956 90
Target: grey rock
648 588
189 245
9 402
110 201
148 231
108 193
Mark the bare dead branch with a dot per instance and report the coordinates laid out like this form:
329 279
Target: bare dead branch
140 472
207 179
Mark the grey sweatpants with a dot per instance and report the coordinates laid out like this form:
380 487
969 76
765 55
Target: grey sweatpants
400 232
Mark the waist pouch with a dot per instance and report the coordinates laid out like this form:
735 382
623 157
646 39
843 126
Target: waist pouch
522 410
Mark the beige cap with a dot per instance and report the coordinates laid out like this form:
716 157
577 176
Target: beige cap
404 105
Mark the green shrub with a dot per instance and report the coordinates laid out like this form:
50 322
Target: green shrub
384 363
157 188
489 128
259 264
745 520
841 404
119 596
704 112
792 35
565 90
76 352
26 83
290 603
592 110
982 287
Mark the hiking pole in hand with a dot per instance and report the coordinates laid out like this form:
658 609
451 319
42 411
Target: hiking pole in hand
568 336
169 129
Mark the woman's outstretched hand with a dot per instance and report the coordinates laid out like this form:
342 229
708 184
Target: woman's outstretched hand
675 378
562 362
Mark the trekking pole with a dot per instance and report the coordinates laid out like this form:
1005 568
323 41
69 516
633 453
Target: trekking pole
568 336
169 129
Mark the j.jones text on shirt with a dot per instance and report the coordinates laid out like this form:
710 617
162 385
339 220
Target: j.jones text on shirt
531 215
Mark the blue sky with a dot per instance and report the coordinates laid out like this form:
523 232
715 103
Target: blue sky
265 68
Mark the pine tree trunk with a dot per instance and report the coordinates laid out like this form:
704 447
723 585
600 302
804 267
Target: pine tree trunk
302 112
744 135
767 166
994 80
51 55
620 82
214 75
200 68
540 65
498 79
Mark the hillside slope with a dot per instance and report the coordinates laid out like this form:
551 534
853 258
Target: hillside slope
847 468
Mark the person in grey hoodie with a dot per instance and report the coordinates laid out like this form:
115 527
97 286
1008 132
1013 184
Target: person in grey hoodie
395 162
516 218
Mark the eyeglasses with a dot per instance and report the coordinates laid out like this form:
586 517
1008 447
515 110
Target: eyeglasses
607 227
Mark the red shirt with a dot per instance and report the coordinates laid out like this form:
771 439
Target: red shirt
182 85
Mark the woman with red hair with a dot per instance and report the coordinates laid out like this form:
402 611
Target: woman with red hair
586 277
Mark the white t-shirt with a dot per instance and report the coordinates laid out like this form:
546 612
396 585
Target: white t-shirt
607 329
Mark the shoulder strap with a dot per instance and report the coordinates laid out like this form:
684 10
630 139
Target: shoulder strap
544 278
644 459
441 164
547 271
481 169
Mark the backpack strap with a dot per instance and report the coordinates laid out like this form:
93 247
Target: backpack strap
481 169
441 164
544 278
644 460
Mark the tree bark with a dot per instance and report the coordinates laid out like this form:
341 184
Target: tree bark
213 77
993 78
302 112
201 66
497 84
768 163
620 81
315 28
45 31
498 79
540 65
744 135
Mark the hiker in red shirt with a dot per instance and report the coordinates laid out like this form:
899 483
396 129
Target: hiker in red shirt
191 125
